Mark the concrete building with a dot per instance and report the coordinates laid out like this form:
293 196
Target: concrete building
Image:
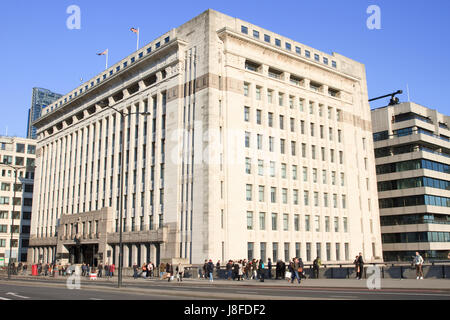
40 98
16 196
257 147
412 149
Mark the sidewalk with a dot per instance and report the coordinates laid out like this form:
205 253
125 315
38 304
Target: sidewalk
426 284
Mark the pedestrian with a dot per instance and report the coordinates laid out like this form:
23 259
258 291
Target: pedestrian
168 273
262 270
135 271
162 269
210 270
316 267
228 269
361 266
25 267
46 269
100 270
296 269
205 267
355 262
418 262
218 269
237 273
302 269
180 272
112 268
269 268
254 269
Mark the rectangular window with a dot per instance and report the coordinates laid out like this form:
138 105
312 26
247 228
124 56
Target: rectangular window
307 223
246 89
317 223
307 54
274 221
256 34
336 224
278 42
261 194
249 220
327 224
250 249
246 114
285 222
298 50
249 192
273 195
297 222
261 167
267 38
262 221
288 46
248 166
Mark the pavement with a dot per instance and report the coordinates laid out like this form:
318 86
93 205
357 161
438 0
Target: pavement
426 284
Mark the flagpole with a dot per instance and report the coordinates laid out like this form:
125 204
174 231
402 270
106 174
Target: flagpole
137 46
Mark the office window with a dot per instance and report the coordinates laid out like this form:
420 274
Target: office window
314 174
325 60
261 167
247 139
249 192
273 195
271 144
282 146
285 222
258 116
282 122
259 140
269 96
319 250
293 151
302 126
307 54
272 169
274 221
338 252
261 194
334 64
246 114
328 248
316 199
292 124
246 89
307 223
20 148
298 50
305 174
317 223
262 221
256 34
278 42
342 179
327 224
250 254
336 224
283 171
297 222
312 129
288 46
270 119
313 152
295 197
306 198
344 201
267 38
316 57
294 172
335 201
249 220
345 223
248 165
258 93
284 196
324 176
325 200
280 99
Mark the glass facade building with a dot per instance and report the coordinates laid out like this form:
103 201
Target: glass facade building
40 99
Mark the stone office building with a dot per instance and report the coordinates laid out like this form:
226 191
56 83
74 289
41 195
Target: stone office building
257 146
412 150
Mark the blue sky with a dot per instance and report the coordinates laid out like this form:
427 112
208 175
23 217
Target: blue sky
37 49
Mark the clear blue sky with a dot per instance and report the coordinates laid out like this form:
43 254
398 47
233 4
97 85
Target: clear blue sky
37 49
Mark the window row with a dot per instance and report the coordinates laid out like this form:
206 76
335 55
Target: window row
413 165
320 224
307 174
276 254
20 148
428 200
19 161
288 46
15 215
327 199
423 218
416 182
411 237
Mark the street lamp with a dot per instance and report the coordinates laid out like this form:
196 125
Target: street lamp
12 215
122 126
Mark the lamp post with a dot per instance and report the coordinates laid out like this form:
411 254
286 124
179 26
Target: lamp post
12 216
123 115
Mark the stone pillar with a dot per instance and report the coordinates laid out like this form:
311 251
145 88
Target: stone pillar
45 255
126 253
144 258
134 254
117 251
153 253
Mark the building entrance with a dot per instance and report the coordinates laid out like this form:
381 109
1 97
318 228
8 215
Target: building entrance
86 253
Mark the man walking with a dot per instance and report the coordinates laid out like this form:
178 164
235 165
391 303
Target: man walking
360 266
269 268
316 267
210 270
418 261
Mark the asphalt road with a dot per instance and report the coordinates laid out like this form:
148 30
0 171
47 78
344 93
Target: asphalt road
51 289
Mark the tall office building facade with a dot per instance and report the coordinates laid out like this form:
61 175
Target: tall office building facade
16 196
40 98
412 149
257 147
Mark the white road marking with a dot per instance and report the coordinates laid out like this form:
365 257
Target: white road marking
247 292
94 299
16 295
1 298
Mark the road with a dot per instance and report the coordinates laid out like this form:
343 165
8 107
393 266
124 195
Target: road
53 289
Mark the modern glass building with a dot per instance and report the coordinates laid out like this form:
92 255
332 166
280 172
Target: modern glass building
40 99
412 151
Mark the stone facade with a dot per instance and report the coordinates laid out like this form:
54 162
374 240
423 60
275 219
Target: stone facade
186 176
